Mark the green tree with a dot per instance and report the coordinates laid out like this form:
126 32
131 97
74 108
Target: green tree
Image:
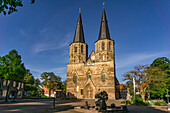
148 79
30 85
10 6
164 64
51 81
12 68
64 85
140 77
157 81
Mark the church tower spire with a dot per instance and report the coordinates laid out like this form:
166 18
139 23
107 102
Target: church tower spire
104 29
79 34
78 48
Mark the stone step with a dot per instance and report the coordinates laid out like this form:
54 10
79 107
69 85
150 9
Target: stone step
91 102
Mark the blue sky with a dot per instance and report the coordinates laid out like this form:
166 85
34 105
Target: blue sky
42 32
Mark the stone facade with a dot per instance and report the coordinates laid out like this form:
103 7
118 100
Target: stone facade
86 75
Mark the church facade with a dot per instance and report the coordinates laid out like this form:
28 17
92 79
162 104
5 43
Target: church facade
88 74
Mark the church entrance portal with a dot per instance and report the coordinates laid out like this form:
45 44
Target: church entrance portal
88 92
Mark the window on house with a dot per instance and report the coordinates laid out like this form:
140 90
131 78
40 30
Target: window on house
75 49
81 48
4 83
103 46
103 78
14 83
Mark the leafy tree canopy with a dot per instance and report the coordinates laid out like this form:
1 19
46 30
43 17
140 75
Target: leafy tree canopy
163 63
147 79
50 80
11 66
10 6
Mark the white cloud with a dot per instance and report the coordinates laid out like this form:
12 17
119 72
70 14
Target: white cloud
58 71
22 33
131 59
52 45
43 30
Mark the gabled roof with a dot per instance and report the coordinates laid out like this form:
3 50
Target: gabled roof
79 34
104 30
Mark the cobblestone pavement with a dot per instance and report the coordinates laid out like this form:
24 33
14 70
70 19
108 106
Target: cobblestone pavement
65 106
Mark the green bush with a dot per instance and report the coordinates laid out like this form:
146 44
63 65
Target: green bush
139 101
124 102
35 97
160 103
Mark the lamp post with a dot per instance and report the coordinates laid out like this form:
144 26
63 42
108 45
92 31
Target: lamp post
134 88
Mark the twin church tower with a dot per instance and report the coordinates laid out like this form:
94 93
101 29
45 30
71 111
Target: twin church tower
87 75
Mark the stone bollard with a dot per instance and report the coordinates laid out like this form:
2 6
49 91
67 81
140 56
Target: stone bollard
168 106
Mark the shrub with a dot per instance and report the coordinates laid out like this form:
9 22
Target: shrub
124 102
160 103
139 101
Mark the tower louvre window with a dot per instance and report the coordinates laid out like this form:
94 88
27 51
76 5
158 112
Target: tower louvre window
81 48
109 47
75 49
81 91
103 78
103 46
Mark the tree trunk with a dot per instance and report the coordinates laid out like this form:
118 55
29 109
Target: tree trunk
6 98
143 94
49 92
1 83
149 96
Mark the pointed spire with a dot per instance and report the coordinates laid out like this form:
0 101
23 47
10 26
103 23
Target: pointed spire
104 30
79 34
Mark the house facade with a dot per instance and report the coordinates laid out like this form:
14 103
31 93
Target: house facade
16 89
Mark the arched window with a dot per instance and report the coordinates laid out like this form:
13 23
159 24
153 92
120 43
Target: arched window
81 48
103 78
109 47
75 79
89 76
103 57
75 49
103 45
75 59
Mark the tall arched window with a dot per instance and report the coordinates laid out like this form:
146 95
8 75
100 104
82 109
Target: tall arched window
103 45
103 78
75 49
81 48
103 57
109 47
75 79
75 59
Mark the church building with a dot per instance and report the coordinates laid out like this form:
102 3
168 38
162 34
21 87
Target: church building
86 75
